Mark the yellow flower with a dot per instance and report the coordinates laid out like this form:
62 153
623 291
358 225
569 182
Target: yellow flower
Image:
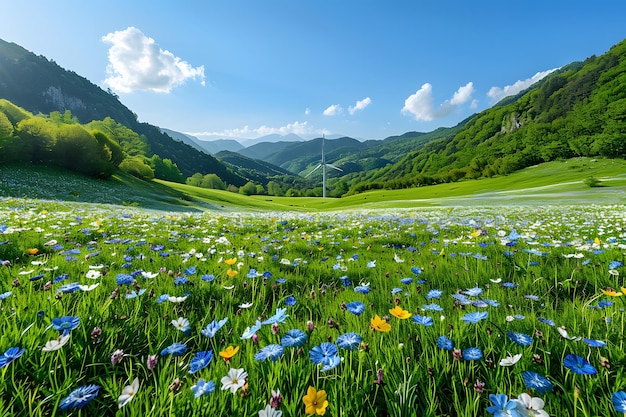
229 352
231 273
623 290
231 261
32 251
611 293
475 233
315 402
597 241
379 324
398 312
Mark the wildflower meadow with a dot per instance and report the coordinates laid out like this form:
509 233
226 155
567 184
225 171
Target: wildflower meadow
506 311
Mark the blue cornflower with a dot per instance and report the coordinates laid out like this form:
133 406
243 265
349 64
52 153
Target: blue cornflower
432 307
406 281
443 342
322 352
579 365
502 406
191 270
345 281
537 382
200 361
175 349
355 307
479 304
619 401
475 317
423 320
349 341
202 387
280 316
509 285
69 288
416 270
472 354
461 299
272 352
396 291
603 304
65 324
162 298
290 301
207 278
80 397
531 297
293 338
520 338
253 273
434 294
595 343
250 331
491 303
330 363
280 280
615 264
473 292
124 279
362 289
212 328
10 355
546 321
181 281
371 264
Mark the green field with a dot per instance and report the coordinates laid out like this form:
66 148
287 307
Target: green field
561 182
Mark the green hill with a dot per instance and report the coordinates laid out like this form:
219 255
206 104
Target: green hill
41 86
577 111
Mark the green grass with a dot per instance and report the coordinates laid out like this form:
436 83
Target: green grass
562 182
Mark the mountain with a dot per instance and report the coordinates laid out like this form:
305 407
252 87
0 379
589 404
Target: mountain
212 147
216 146
264 150
41 86
579 110
254 169
274 137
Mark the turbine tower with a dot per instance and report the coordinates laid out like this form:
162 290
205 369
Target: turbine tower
323 164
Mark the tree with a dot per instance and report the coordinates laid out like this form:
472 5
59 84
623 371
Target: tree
273 188
166 170
248 188
138 167
212 181
195 180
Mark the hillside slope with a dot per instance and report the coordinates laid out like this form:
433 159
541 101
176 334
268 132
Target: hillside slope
40 85
577 111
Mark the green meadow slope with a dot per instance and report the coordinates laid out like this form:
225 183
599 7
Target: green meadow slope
557 182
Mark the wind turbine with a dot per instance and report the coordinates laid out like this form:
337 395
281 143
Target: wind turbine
323 164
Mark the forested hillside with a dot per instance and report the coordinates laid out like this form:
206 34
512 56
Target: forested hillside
39 85
577 111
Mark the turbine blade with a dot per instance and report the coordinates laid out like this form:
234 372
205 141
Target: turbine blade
334 167
314 169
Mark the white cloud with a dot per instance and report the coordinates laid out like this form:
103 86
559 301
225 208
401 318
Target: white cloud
333 110
299 128
498 93
421 104
136 62
463 94
307 111
360 105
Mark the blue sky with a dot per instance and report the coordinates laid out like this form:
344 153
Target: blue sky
366 69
